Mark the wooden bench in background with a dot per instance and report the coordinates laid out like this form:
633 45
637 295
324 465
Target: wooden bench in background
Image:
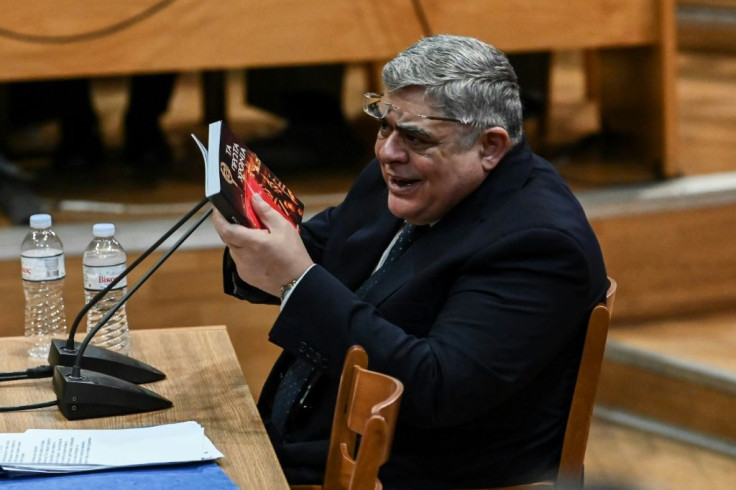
633 42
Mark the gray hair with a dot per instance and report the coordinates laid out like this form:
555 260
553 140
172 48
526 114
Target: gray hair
468 79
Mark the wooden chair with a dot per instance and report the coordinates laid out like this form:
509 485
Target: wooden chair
367 405
570 473
586 386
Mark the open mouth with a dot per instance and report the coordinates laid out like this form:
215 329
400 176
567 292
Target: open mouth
403 183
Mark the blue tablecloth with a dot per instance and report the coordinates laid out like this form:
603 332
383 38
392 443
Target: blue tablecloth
189 476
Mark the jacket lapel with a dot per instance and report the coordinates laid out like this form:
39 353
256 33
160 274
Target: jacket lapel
364 248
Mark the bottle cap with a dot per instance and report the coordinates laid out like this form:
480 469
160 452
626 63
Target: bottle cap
40 221
103 230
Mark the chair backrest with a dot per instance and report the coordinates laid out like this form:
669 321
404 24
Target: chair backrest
583 400
367 405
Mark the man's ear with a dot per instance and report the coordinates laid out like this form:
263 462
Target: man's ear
495 144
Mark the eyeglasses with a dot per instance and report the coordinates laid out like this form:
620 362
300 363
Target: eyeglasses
377 108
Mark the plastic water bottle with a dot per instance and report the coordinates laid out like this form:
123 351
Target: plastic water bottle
43 272
103 260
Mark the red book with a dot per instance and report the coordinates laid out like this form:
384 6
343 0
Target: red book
233 173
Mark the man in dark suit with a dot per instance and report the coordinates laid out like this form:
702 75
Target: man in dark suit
482 317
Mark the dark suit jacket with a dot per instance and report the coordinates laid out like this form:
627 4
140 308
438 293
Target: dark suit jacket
482 319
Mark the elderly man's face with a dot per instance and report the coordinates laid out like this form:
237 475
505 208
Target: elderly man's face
426 169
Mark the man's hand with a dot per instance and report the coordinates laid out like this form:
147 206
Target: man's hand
266 259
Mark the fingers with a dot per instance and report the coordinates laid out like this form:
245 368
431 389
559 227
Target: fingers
268 216
232 234
219 222
222 226
218 219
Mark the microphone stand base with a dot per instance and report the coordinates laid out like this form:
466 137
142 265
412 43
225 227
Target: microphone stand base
104 361
93 394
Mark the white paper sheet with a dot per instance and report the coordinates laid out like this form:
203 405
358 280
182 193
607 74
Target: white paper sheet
65 451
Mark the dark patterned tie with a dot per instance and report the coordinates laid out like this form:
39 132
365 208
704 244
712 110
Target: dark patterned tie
301 372
406 237
295 379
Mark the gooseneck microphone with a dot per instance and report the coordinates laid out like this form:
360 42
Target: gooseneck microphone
64 353
87 393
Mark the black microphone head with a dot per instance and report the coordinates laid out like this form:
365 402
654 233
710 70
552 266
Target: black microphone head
92 394
103 361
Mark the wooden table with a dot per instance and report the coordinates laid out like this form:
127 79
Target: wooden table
203 380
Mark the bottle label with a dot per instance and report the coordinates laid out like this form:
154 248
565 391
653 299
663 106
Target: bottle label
42 268
97 277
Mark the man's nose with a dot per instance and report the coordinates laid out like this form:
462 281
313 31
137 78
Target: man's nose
391 149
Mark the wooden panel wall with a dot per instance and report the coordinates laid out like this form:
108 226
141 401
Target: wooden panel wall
538 25
707 25
59 38
669 264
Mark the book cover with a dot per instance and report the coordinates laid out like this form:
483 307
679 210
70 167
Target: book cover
233 173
